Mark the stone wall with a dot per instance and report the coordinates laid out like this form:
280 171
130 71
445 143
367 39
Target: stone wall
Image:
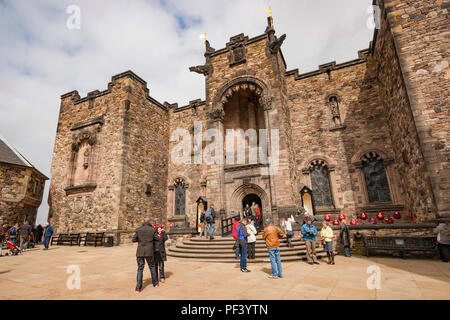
420 31
408 154
21 191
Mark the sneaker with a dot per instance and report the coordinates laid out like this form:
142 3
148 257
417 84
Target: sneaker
315 262
245 270
138 291
310 263
162 280
156 286
280 277
273 277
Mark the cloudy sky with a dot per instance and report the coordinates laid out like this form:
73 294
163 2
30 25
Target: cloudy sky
41 58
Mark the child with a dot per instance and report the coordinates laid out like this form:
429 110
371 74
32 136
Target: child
160 252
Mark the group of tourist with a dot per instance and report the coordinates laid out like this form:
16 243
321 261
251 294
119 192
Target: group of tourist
151 249
22 236
253 213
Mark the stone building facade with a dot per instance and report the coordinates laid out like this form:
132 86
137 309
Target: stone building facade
21 186
369 135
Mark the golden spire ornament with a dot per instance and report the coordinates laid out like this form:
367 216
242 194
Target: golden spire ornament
269 11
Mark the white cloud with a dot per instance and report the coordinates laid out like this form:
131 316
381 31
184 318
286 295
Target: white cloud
40 59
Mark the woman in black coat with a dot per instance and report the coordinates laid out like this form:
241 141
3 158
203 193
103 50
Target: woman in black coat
345 238
160 252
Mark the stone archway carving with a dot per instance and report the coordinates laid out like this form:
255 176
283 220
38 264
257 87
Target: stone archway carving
242 83
249 188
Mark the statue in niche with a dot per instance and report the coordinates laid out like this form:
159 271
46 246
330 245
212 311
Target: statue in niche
334 104
86 159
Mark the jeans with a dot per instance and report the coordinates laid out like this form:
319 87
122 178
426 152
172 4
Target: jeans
237 252
243 248
140 271
159 265
212 229
275 262
46 242
347 251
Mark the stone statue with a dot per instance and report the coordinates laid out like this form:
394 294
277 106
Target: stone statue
335 111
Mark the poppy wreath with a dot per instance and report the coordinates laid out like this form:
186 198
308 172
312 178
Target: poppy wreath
161 226
171 225
363 215
155 226
341 216
389 220
396 215
327 217
353 221
373 220
380 215
336 222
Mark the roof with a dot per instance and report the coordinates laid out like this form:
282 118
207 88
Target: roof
9 155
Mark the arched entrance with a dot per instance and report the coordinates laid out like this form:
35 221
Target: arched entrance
250 198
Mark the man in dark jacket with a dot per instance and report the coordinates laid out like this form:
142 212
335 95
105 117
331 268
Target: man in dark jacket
24 232
145 237
345 238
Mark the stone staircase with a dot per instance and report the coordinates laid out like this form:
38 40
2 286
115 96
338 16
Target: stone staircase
220 249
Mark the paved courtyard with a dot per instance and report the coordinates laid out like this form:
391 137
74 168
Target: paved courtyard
110 273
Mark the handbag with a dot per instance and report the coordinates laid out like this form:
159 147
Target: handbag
290 234
236 244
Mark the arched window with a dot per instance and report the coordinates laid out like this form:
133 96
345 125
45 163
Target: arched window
320 184
180 197
376 180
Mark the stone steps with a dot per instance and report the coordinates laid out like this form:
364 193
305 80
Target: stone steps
221 250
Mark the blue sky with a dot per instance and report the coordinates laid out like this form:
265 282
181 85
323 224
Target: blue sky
40 58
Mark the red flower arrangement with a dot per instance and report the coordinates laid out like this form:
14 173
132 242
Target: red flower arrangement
341 216
171 225
396 215
155 226
380 215
353 221
363 215
373 220
327 217
389 220
336 222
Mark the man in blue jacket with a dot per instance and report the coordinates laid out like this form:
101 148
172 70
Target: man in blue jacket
309 233
241 231
47 234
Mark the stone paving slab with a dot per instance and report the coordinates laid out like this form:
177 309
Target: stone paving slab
110 273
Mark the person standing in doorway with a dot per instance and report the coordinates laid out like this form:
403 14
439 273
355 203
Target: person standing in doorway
247 211
345 238
47 234
271 235
309 232
258 218
160 252
242 237
327 236
210 218
24 232
251 239
145 236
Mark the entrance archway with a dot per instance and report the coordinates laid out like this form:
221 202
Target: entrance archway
250 198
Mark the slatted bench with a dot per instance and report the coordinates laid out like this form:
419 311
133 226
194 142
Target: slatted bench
95 239
402 244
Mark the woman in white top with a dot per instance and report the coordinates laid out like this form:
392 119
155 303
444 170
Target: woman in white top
251 240
287 226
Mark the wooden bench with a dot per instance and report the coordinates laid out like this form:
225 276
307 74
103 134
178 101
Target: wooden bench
95 239
402 244
66 239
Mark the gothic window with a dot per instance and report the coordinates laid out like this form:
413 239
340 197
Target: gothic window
320 183
376 179
180 197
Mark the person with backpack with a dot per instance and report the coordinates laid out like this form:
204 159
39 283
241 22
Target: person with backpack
251 239
443 239
210 218
242 238
236 223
